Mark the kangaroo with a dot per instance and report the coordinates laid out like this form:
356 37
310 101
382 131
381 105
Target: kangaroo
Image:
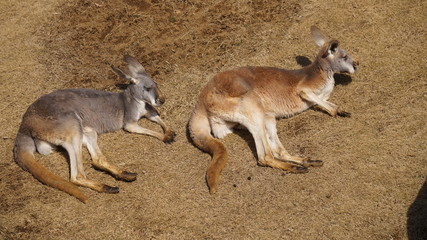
253 97
71 118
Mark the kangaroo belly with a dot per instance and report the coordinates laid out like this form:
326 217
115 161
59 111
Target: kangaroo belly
289 111
284 106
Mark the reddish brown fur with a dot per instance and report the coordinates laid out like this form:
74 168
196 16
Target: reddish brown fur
254 96
45 176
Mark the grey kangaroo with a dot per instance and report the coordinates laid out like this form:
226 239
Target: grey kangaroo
71 118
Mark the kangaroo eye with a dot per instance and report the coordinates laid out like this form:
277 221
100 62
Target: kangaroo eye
345 57
147 88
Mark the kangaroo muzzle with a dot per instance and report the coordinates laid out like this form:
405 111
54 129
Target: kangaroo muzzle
160 101
355 65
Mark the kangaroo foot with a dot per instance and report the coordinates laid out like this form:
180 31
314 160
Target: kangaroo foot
312 163
97 186
297 169
291 167
343 114
126 176
108 189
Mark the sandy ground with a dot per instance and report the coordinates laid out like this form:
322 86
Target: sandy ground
373 183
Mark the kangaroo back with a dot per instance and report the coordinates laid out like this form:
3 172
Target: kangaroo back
24 156
200 132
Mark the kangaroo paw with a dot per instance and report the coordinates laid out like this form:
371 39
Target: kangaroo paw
169 137
126 176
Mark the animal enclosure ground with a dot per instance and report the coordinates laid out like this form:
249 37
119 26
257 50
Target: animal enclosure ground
372 185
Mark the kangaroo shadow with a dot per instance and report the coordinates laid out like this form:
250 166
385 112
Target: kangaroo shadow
303 61
249 139
416 224
122 86
340 79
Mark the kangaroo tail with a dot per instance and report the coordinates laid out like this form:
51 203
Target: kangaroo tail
200 132
24 156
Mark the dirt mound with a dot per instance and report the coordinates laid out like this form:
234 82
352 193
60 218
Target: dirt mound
167 37
371 186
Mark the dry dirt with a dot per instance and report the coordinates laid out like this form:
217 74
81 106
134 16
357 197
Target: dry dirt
373 183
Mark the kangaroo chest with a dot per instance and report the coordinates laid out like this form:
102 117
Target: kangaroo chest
325 91
285 101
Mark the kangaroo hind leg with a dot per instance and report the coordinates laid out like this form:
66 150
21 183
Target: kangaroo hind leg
98 159
255 122
280 152
70 131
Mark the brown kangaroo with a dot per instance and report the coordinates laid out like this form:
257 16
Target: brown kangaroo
253 97
71 118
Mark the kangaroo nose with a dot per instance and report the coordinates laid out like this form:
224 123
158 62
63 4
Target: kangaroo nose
355 64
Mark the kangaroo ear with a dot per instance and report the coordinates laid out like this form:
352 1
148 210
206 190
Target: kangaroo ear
124 75
331 49
134 66
318 36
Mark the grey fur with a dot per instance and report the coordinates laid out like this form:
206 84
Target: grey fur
72 118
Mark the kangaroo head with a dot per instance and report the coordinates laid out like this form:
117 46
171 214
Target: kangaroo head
331 55
142 87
